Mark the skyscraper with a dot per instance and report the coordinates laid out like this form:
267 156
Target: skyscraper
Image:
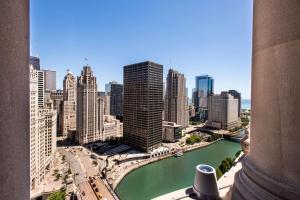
143 105
87 112
50 79
223 111
237 95
42 131
204 88
35 62
100 121
69 103
176 100
115 91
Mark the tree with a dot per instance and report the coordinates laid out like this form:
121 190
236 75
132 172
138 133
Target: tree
238 153
193 139
59 195
95 162
219 173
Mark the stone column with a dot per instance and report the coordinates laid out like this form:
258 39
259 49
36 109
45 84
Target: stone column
14 100
272 169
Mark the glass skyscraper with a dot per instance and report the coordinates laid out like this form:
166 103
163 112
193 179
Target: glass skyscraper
204 87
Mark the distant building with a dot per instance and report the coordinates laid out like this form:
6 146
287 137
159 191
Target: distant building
69 103
204 88
35 62
143 105
112 127
116 100
115 91
106 105
87 112
101 94
171 131
100 120
237 95
191 111
223 111
57 97
50 79
176 100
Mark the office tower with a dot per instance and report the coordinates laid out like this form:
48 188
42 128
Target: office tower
57 98
106 105
69 103
223 111
50 79
115 91
143 105
204 88
35 62
176 100
237 95
42 132
87 113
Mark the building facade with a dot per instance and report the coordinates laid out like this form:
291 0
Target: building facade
143 105
87 113
50 79
42 132
115 91
41 87
176 100
237 95
112 127
223 111
57 97
171 131
204 88
69 103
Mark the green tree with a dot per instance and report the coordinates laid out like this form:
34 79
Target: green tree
219 173
238 153
59 195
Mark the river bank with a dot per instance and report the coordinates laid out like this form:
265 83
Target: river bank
152 160
170 174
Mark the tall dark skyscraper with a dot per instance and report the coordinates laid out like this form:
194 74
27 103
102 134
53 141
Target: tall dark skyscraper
35 62
143 105
204 88
115 91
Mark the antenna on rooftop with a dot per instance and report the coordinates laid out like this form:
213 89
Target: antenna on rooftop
86 61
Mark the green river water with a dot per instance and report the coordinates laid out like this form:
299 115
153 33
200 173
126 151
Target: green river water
172 173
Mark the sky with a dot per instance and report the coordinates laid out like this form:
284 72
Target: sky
194 37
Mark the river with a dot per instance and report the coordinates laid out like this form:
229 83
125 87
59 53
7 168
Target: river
172 173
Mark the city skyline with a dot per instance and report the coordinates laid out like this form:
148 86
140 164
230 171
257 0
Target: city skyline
218 48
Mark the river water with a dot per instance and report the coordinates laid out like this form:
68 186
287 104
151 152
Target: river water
172 173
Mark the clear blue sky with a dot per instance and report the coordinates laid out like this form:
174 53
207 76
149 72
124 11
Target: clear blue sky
193 36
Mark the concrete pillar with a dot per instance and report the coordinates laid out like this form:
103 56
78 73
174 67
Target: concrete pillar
272 169
14 100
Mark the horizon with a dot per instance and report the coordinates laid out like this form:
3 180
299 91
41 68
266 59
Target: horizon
196 38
